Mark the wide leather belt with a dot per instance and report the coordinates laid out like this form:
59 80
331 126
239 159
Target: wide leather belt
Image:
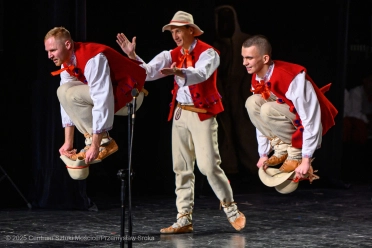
192 108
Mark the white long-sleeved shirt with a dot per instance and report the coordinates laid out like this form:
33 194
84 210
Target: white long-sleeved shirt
208 62
97 73
302 94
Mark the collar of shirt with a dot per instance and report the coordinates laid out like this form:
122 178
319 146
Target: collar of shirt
193 44
267 74
73 59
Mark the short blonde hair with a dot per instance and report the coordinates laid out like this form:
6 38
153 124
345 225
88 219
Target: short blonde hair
59 33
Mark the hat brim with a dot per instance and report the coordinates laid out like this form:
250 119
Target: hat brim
78 174
124 110
77 170
288 186
273 177
197 30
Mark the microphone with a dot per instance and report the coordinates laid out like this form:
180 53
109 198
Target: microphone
135 92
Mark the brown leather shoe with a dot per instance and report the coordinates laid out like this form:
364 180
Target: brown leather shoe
274 160
239 223
290 165
107 149
81 155
175 228
104 151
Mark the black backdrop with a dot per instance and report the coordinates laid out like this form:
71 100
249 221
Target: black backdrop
313 33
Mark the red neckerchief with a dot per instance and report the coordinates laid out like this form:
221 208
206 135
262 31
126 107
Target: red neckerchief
185 57
72 70
261 88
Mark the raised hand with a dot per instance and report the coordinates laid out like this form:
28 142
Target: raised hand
129 48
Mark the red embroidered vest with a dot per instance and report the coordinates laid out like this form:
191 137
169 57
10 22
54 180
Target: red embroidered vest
204 95
125 73
279 82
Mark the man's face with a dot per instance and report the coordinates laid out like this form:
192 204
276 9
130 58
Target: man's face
183 36
252 60
58 51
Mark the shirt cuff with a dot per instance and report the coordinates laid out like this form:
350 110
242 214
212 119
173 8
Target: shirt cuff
307 155
68 125
102 130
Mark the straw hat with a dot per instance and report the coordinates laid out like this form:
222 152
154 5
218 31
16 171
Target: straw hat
282 181
288 186
273 177
77 169
182 18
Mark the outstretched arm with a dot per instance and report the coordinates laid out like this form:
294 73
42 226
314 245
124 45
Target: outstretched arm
129 48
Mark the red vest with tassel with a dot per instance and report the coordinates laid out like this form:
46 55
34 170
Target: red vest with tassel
281 78
205 94
125 73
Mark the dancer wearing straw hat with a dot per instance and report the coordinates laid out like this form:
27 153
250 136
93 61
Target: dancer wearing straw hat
195 104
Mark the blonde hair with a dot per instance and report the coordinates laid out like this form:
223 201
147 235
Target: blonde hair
59 33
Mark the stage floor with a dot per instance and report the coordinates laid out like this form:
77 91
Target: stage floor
308 217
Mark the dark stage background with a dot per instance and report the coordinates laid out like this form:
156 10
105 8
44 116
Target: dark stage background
315 34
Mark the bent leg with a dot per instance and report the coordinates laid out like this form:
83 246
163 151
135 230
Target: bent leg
208 159
253 105
76 101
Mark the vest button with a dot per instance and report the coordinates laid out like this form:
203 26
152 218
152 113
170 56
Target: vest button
196 95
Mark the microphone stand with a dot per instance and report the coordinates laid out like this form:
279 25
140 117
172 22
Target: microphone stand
122 174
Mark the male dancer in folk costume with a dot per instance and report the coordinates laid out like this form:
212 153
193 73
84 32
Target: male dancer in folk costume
193 64
290 113
96 82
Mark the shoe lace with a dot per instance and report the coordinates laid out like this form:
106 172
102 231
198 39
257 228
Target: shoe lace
182 220
230 210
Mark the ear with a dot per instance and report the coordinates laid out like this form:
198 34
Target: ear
266 59
68 44
191 30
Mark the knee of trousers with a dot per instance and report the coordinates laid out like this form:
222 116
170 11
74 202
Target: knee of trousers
265 112
254 103
210 171
73 95
61 91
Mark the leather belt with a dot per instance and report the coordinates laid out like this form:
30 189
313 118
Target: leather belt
192 108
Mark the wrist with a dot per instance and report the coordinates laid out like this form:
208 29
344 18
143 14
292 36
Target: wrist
175 70
264 155
306 159
133 56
